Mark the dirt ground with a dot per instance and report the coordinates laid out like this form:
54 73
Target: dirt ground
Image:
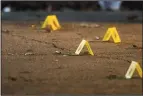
43 71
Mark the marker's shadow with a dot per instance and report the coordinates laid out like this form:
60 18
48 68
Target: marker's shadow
135 78
72 54
110 41
83 54
113 77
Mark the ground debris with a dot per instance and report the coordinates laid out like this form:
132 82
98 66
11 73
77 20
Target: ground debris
10 54
26 79
97 37
112 77
12 78
29 52
89 25
48 28
135 46
56 60
5 31
58 52
65 55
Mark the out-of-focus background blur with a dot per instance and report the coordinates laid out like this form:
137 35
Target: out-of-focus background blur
72 5
98 11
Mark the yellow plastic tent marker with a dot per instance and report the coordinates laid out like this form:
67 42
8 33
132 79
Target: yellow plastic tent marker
81 45
139 70
52 21
134 65
112 32
107 35
89 48
131 70
115 35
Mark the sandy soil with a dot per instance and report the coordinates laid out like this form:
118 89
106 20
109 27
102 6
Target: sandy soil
45 72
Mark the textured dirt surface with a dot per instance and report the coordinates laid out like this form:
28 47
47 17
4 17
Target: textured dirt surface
31 66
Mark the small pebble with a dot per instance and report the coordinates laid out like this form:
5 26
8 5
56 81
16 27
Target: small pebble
97 38
56 60
29 53
84 25
64 55
57 52
96 25
12 78
33 26
10 54
135 46
48 28
5 31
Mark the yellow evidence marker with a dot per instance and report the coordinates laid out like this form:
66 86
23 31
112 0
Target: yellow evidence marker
134 65
112 32
81 45
52 21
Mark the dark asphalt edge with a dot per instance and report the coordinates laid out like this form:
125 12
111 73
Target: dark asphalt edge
74 16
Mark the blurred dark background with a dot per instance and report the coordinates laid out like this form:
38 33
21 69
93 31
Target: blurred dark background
72 5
